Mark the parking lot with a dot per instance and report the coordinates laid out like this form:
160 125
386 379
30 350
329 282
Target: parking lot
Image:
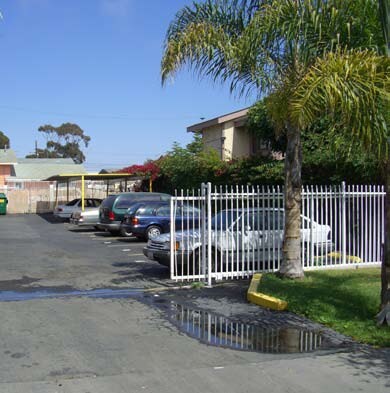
56 337
42 251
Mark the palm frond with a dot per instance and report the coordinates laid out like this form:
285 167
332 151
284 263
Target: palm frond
354 88
255 44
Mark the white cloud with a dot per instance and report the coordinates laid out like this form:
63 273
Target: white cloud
115 8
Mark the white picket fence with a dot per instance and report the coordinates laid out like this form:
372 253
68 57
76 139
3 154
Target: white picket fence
233 231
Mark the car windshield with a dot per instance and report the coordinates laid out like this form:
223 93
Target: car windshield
224 219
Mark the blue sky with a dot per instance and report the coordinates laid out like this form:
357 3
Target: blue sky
97 63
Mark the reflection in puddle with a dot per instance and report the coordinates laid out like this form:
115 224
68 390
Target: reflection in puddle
220 331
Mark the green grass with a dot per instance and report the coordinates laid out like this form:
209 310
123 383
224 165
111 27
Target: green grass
345 300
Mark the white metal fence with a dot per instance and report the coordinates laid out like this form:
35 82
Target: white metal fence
230 232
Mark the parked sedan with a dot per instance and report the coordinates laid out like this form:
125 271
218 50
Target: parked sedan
88 218
147 220
65 211
239 235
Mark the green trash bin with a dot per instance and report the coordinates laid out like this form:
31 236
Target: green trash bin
3 204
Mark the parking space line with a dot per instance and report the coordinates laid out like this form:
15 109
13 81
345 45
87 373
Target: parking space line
136 255
104 238
117 245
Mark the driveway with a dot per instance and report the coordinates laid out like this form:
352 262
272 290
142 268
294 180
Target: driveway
39 251
63 330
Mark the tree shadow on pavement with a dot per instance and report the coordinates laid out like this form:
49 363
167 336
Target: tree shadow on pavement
370 362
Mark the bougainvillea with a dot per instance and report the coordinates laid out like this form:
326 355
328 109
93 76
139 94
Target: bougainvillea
149 169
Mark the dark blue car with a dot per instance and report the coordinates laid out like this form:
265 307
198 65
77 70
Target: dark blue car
146 220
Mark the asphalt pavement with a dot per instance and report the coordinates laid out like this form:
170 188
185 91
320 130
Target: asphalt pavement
63 334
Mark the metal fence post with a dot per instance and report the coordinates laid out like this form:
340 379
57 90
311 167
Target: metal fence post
203 227
343 223
173 233
209 256
311 262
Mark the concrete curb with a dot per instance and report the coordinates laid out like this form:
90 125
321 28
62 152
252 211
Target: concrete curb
263 300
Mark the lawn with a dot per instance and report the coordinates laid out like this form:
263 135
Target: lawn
345 300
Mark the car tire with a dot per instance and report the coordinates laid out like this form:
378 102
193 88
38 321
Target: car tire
114 232
125 233
152 232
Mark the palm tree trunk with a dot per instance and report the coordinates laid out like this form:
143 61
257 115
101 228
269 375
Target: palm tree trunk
385 274
385 292
291 266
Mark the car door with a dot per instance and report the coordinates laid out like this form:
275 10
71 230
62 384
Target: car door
254 237
163 216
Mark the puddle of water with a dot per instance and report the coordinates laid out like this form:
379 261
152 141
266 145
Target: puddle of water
202 325
219 331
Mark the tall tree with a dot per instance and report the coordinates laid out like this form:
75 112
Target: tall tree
64 141
384 315
273 47
4 141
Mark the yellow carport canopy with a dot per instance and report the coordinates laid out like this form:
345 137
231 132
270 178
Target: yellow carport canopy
67 177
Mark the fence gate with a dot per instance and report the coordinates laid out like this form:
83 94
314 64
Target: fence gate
228 232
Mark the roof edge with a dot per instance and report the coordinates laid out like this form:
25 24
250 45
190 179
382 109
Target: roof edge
218 120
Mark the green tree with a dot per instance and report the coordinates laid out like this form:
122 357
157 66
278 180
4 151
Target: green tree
187 167
64 141
4 141
327 158
275 47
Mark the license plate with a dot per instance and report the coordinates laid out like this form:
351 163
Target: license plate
150 254
2 200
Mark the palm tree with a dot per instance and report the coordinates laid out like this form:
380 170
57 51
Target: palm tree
272 47
384 315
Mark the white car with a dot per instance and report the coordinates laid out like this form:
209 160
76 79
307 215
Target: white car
88 218
65 211
239 234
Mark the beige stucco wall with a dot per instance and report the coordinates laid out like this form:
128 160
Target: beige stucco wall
236 140
211 137
242 142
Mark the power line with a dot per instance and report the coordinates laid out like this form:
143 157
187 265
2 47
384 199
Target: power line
92 116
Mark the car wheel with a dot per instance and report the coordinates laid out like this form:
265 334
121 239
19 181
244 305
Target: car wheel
153 231
125 232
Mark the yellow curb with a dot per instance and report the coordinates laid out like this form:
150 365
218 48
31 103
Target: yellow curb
351 258
263 300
